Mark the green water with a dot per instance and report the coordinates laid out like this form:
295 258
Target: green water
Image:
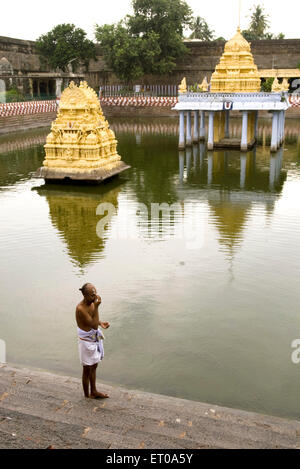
203 305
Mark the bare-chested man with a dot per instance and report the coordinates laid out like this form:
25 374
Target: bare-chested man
90 339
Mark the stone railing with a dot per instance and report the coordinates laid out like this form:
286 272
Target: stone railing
141 101
221 97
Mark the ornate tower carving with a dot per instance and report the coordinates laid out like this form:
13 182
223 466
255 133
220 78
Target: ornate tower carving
81 145
236 72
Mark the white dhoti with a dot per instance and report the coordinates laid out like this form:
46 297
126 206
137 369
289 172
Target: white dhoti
90 346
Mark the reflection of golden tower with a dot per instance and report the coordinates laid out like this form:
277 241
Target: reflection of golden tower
73 214
230 219
236 72
81 145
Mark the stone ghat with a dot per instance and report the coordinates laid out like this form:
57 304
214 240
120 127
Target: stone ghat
43 410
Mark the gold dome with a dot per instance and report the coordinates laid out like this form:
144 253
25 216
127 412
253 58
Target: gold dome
238 43
236 72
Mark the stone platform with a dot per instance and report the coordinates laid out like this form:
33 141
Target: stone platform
42 410
232 143
92 177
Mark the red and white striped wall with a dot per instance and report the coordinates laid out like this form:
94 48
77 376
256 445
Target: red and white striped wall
35 107
26 108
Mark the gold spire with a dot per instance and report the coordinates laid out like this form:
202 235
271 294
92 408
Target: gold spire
236 72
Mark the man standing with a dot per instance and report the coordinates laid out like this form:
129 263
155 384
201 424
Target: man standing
90 339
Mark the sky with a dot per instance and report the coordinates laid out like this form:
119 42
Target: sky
28 19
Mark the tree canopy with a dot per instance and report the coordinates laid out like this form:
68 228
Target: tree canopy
149 41
65 44
259 24
201 30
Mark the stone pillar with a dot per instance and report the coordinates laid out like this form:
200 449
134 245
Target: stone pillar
274 139
58 83
210 142
202 125
279 128
30 87
181 131
188 129
227 117
2 91
283 126
244 141
196 127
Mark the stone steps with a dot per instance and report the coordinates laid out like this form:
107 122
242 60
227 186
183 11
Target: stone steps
46 409
28 121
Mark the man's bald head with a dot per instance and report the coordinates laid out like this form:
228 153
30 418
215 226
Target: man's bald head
87 288
89 292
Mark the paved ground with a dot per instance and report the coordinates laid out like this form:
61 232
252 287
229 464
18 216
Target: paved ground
38 410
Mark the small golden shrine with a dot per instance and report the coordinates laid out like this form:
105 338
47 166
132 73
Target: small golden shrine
236 72
80 146
182 87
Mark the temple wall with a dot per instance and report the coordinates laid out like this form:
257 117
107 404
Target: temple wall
201 61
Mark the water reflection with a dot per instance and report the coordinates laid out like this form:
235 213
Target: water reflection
19 165
73 213
232 183
158 290
232 170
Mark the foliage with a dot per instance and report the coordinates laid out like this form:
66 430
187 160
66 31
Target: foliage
266 86
121 50
195 88
14 95
150 41
201 30
259 23
65 44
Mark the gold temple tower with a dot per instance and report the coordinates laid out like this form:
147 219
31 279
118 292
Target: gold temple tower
236 72
80 146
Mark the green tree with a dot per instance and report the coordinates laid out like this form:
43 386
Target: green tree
259 23
266 85
127 55
150 41
167 19
200 30
65 44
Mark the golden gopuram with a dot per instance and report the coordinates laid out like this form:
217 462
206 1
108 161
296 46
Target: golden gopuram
236 71
235 89
80 146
